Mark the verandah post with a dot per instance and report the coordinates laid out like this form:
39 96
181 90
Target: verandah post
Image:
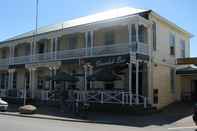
137 82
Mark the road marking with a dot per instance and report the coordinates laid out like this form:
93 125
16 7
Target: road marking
181 128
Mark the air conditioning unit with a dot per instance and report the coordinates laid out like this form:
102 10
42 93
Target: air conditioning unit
2 92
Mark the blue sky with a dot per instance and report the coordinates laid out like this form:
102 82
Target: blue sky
17 16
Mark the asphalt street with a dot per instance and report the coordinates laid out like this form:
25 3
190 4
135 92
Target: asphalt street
12 123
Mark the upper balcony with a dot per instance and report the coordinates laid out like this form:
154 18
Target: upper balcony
113 40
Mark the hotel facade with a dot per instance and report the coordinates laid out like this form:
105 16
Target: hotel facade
135 50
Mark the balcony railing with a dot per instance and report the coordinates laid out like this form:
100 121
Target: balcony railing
114 49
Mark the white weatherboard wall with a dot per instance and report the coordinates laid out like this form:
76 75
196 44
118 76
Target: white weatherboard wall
163 62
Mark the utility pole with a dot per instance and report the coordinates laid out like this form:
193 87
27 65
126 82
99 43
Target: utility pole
34 45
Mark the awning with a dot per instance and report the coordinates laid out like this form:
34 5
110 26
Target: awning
104 74
191 69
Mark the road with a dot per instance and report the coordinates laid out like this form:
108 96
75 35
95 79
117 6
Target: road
12 123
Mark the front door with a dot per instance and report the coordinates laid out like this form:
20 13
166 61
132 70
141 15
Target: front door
194 90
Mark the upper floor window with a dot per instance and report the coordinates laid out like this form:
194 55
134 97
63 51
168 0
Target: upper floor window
154 28
54 44
89 39
72 40
41 48
182 45
3 53
142 34
15 80
172 44
109 38
133 33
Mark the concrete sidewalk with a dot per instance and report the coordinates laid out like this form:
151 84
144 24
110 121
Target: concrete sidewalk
40 116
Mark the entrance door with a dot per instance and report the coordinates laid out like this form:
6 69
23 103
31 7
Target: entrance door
194 90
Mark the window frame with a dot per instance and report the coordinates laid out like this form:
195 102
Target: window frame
154 30
172 44
109 37
173 80
182 48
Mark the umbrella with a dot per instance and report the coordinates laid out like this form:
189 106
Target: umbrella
62 76
104 74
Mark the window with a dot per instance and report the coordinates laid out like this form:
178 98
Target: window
15 80
154 27
27 79
142 34
182 44
40 84
2 82
72 40
155 96
27 49
109 38
54 44
172 77
172 44
133 33
109 85
41 48
3 53
89 39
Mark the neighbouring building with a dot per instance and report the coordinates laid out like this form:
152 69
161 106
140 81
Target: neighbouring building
122 56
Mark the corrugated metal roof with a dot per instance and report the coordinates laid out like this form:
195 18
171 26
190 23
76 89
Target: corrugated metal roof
115 13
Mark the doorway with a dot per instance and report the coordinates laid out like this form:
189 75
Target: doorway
194 90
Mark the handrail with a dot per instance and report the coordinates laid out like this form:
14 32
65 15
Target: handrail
78 53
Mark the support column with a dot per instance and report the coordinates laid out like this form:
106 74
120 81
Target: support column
11 78
54 73
137 37
85 82
130 81
51 75
32 81
56 47
137 82
12 52
86 42
52 48
137 32
90 73
92 41
34 46
150 72
130 34
85 77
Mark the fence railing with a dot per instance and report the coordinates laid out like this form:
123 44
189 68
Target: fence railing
77 53
106 97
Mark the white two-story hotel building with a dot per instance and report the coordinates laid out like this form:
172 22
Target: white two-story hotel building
122 56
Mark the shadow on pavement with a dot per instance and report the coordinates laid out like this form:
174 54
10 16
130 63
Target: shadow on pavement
169 115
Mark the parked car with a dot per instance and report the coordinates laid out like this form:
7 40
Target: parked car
195 114
3 105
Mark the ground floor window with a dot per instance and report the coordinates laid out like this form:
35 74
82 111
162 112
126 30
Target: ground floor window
172 77
155 96
3 80
15 80
109 85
